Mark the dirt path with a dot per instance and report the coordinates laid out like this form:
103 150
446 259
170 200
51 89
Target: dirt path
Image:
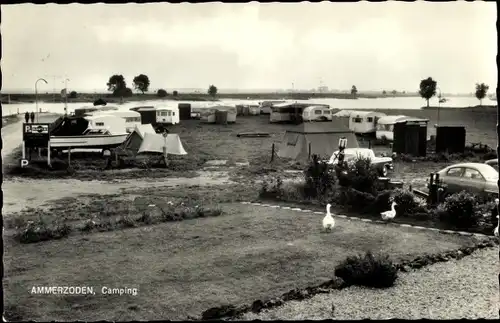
21 193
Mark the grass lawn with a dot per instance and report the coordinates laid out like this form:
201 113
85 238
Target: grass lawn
183 268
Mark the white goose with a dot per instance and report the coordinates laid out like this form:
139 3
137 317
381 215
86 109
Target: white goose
328 220
389 215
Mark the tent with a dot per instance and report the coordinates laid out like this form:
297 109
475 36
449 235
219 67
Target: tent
153 143
134 140
321 137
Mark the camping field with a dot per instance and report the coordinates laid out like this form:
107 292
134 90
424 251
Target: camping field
183 268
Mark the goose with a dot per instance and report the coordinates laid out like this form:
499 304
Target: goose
328 221
389 215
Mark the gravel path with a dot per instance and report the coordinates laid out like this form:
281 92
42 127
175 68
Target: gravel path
466 288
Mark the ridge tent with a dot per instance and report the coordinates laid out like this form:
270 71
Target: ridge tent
321 137
134 140
153 143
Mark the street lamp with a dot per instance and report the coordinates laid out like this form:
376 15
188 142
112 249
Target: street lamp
439 102
66 96
36 96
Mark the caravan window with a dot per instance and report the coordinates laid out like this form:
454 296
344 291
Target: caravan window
326 112
101 124
357 120
173 113
317 112
369 119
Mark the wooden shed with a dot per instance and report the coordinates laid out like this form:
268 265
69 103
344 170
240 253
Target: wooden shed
410 137
450 139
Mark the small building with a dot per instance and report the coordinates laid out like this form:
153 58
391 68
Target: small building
317 113
208 115
184 111
450 139
410 137
148 114
385 126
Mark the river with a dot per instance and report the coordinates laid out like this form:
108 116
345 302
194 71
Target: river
412 103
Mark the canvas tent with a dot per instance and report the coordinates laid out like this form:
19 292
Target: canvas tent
321 137
153 143
134 140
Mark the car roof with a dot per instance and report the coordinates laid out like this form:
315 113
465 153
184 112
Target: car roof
478 166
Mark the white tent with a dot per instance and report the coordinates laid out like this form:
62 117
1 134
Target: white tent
154 143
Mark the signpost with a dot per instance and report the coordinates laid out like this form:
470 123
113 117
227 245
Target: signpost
35 135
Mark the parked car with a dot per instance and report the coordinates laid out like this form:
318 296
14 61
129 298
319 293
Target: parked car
381 163
493 163
476 178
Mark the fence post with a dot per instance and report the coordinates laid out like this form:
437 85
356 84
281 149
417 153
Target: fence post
309 153
69 156
272 153
369 144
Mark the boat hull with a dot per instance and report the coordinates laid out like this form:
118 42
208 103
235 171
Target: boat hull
90 142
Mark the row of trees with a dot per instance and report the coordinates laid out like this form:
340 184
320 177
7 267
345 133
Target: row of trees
118 86
429 86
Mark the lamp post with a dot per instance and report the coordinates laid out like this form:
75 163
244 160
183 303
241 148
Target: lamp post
36 96
66 96
439 103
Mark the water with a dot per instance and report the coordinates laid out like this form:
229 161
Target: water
412 103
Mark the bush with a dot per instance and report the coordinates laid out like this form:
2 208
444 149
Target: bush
39 231
360 175
73 95
459 209
319 178
175 93
161 93
272 189
406 203
368 270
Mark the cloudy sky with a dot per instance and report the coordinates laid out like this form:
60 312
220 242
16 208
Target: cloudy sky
391 45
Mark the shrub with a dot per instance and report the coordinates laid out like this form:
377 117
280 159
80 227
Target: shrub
459 209
406 203
368 270
39 231
161 93
319 178
357 200
273 189
175 93
360 175
72 95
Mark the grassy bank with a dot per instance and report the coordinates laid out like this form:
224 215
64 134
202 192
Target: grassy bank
86 97
9 120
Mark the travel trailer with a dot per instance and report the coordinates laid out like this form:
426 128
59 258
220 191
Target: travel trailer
167 114
265 106
80 112
317 113
290 112
132 118
385 126
364 122
208 115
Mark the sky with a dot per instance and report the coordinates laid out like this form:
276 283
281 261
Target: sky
375 46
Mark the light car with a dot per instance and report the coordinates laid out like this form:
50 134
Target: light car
382 164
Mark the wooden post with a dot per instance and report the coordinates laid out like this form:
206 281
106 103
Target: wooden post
39 152
48 153
272 153
369 144
165 134
24 150
69 156
309 151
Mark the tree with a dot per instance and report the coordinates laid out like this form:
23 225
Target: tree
481 91
116 82
394 92
141 83
427 89
384 92
212 90
161 93
175 93
354 90
123 92
72 95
